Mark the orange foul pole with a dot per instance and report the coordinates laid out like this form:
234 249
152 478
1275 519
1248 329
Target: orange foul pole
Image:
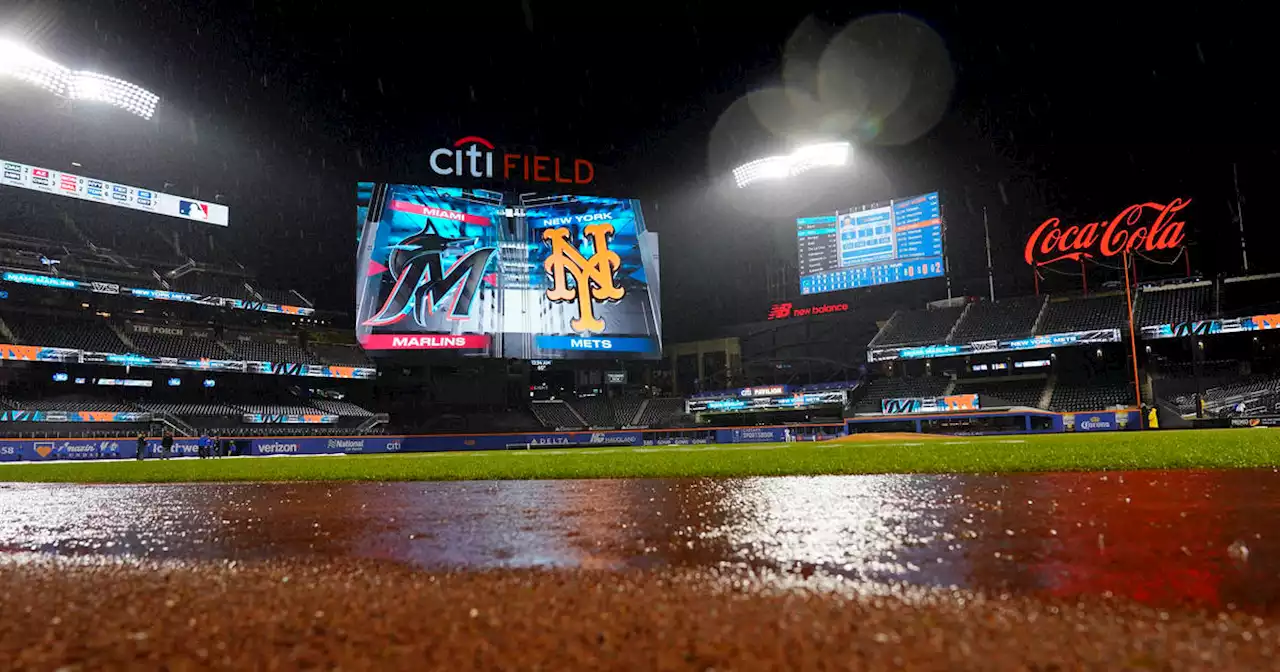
1133 341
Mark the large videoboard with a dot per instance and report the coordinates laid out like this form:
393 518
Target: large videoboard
483 273
61 183
874 244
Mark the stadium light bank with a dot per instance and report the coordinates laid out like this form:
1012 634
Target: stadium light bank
801 160
21 63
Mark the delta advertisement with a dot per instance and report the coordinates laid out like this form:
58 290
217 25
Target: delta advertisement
483 273
1002 345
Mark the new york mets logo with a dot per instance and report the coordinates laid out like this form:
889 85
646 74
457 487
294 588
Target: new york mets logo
592 278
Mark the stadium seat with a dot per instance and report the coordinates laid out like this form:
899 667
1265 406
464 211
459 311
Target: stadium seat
915 327
1007 318
89 333
1083 314
897 388
1159 305
998 392
556 414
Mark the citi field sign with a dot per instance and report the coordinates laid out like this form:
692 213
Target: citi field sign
1142 227
475 157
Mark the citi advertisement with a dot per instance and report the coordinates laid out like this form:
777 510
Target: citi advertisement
481 273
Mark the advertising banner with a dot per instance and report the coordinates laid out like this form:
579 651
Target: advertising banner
59 183
74 416
50 449
1105 421
1208 327
1260 421
36 353
954 402
792 402
100 287
1002 345
309 419
751 435
482 273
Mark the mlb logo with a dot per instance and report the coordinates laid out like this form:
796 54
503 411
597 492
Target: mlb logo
193 210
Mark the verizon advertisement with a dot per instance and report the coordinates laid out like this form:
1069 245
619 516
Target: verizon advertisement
58 183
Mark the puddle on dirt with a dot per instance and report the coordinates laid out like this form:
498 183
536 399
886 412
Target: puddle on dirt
1208 539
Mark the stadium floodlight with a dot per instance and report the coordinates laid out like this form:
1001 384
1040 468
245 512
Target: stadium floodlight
801 160
25 65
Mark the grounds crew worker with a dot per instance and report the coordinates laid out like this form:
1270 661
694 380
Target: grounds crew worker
1153 419
142 447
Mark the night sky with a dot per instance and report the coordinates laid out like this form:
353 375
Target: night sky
282 107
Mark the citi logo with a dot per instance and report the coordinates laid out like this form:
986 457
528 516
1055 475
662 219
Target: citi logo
472 156
393 446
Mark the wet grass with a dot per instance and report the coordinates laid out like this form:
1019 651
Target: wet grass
1215 449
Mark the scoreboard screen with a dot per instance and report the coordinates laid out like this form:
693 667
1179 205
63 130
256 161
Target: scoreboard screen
874 244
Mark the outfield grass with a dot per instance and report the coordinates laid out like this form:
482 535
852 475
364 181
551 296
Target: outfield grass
1059 452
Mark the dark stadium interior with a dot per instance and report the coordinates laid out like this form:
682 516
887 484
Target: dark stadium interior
258 135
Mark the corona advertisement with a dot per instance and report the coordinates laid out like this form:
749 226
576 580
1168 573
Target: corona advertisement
490 274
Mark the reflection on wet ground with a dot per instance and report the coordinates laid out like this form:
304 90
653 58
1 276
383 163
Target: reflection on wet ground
1200 538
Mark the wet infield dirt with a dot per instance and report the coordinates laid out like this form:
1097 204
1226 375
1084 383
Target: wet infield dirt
1175 570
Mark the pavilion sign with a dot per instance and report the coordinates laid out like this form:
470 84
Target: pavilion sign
1142 227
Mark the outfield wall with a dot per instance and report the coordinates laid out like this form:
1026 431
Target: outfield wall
975 423
42 450
986 423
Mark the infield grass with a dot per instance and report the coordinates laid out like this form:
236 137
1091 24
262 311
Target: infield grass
1216 449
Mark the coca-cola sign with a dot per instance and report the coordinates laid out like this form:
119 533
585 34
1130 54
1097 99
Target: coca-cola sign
1142 227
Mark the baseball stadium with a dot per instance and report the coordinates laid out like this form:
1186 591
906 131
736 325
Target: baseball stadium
842 371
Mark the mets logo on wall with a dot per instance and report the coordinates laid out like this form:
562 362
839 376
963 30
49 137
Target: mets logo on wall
585 280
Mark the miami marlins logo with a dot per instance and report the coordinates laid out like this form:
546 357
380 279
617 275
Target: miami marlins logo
592 278
421 282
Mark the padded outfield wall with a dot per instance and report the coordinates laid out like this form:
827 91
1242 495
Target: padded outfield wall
42 450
